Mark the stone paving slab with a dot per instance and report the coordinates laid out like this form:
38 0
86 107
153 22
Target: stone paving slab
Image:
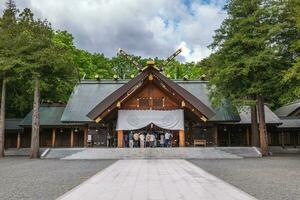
155 180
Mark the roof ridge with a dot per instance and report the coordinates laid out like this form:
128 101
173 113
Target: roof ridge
293 102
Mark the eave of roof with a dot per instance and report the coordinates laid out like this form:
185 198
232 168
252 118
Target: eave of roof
270 117
12 124
289 123
288 109
50 116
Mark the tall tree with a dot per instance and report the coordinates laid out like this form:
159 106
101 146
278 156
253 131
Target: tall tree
248 62
7 59
46 59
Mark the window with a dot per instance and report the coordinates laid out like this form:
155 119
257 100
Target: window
157 103
144 103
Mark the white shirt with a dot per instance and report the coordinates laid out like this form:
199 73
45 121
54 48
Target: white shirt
167 135
142 137
152 138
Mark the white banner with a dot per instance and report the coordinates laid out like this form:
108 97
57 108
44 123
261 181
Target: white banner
137 119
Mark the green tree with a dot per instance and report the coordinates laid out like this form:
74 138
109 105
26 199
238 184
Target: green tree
46 59
292 76
8 59
248 62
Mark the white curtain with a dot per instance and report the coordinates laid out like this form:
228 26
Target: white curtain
137 119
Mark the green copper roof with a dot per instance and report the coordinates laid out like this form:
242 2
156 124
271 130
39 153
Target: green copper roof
88 94
50 115
288 109
290 122
12 124
85 97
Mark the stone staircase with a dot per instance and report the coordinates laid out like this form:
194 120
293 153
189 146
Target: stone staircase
62 152
152 153
20 152
246 152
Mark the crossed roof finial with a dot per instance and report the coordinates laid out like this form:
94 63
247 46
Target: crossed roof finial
150 62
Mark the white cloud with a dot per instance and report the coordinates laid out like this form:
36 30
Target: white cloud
142 27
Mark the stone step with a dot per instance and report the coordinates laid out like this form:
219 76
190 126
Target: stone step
62 152
153 153
20 152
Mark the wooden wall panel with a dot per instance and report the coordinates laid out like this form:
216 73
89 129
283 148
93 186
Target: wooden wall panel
152 93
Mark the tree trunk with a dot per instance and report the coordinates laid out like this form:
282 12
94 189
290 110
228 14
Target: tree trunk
2 118
254 126
35 121
262 126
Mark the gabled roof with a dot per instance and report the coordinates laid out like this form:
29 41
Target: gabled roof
120 92
12 124
189 97
50 115
85 96
290 122
115 95
288 109
270 117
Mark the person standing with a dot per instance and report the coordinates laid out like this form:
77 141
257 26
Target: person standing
136 137
126 140
167 138
162 140
148 138
142 140
152 140
130 137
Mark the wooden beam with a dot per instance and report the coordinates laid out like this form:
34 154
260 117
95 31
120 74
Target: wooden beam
282 139
19 140
72 138
215 132
247 136
120 138
181 138
85 136
53 136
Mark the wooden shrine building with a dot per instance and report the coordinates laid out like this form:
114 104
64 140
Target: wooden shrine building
100 113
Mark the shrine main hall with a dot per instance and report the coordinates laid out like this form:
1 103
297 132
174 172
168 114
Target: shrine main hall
100 113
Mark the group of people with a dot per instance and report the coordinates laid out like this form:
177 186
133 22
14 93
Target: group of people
140 139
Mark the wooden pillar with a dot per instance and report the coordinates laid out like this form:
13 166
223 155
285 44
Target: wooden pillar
247 136
53 136
85 136
120 138
282 139
72 138
19 140
181 138
215 133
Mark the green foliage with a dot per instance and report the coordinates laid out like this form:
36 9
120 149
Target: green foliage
30 48
252 51
292 75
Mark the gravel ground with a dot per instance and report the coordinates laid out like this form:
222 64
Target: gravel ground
271 178
22 178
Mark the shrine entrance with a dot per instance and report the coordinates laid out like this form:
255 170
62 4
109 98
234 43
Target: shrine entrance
150 128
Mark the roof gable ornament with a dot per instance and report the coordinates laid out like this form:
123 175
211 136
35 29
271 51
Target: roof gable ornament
150 72
150 63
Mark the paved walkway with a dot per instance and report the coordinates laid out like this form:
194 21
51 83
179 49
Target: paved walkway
155 180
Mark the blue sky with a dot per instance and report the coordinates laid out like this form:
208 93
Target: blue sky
149 28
